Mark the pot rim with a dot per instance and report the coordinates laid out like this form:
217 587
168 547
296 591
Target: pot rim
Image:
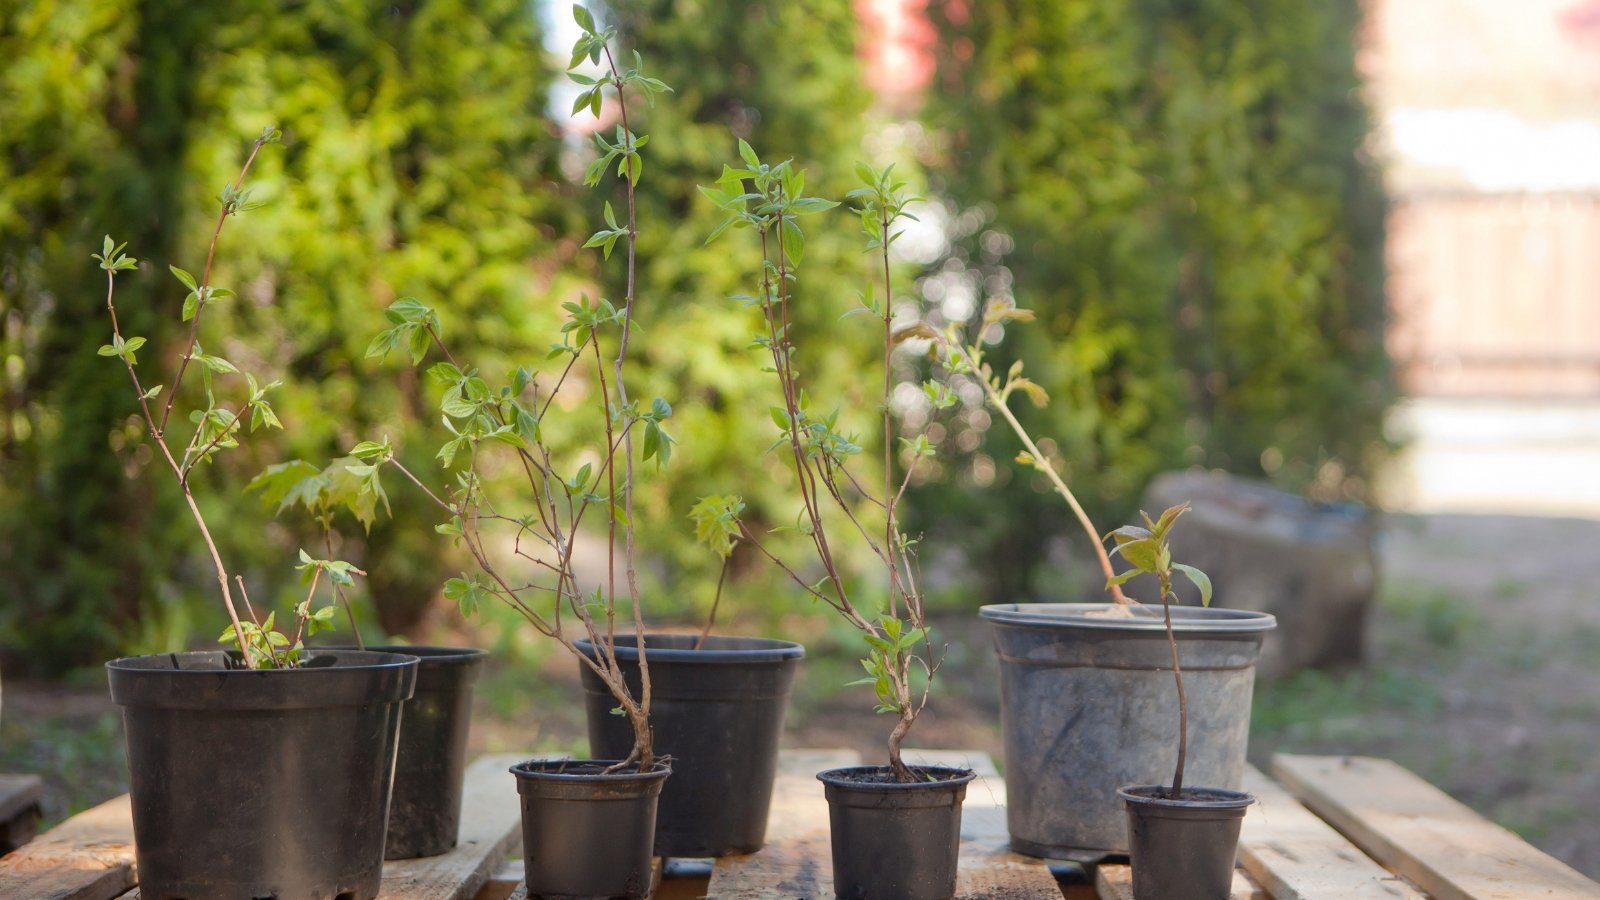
1194 619
841 777
434 655
1140 794
384 660
767 650
534 770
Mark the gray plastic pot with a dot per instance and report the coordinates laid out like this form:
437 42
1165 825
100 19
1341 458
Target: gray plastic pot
1087 706
1183 848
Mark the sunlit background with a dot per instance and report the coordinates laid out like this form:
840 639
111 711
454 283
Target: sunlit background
1330 270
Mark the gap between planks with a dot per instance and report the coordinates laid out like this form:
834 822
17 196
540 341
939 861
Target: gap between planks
1417 830
1296 856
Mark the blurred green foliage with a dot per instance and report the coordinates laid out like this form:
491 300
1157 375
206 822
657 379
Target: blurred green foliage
421 157
1175 187
1179 189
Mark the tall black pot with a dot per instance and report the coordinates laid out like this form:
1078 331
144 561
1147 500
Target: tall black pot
718 715
425 808
586 834
1183 848
894 841
261 784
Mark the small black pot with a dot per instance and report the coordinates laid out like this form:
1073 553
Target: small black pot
894 841
260 784
587 835
425 808
717 713
1183 848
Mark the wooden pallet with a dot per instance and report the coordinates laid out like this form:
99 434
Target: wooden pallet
1329 828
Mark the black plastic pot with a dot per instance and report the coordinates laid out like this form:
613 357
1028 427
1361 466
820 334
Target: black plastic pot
1183 848
425 808
248 785
895 841
587 835
718 714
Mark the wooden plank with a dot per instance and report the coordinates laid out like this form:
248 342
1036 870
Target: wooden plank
491 827
1296 856
521 890
796 860
1114 881
1417 830
988 867
87 857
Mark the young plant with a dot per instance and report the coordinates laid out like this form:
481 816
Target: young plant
1146 549
966 357
509 421
217 427
770 199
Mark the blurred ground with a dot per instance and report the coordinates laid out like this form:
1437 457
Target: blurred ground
1483 676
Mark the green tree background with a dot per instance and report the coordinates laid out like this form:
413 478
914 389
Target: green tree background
1179 191
1176 188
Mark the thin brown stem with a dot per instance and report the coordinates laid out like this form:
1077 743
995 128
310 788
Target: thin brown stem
205 286
999 404
1183 704
715 602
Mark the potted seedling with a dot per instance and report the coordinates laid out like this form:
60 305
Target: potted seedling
1181 840
1083 690
226 801
895 827
719 705
430 769
588 825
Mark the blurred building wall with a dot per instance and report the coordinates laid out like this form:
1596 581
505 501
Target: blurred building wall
1489 117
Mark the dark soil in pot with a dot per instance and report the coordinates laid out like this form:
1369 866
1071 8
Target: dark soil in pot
586 834
718 715
425 808
894 841
249 785
1184 847
1086 706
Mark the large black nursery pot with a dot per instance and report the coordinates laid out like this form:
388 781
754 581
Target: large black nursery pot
718 715
1086 706
261 784
587 834
425 808
1183 848
894 841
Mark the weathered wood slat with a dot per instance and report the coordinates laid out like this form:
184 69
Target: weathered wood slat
988 867
491 827
1296 856
1115 882
796 860
1417 830
520 892
87 857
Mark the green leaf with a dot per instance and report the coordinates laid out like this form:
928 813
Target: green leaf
152 393
584 18
185 277
1141 554
748 154
1201 580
